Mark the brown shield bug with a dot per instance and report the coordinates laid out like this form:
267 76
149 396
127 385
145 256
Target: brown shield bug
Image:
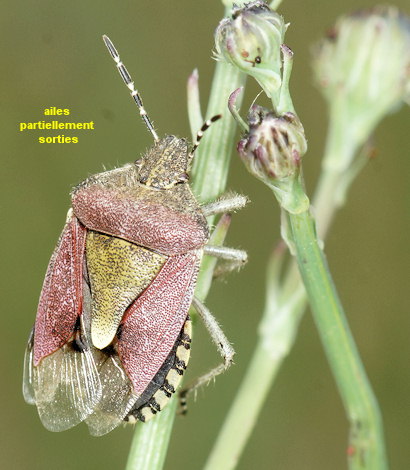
112 334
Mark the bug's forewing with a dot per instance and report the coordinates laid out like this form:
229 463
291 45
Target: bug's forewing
61 297
154 321
60 374
131 271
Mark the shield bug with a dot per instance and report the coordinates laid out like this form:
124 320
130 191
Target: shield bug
112 334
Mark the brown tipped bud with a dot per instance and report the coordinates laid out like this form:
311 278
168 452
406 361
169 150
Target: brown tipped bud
274 146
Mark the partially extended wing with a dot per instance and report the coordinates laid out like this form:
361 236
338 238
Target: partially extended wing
117 397
65 386
60 374
151 325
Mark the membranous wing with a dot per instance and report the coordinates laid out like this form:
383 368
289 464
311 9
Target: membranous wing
65 385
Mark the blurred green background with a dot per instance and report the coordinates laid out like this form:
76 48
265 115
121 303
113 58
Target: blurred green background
53 55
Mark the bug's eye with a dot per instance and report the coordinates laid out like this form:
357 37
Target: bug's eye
183 178
258 59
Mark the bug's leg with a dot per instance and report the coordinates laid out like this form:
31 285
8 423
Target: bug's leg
227 203
234 259
222 344
225 253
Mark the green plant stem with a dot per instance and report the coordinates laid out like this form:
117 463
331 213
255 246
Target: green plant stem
210 175
366 442
244 411
280 321
276 336
148 448
274 344
211 164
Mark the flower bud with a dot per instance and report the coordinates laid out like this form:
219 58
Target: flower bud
364 62
273 147
251 41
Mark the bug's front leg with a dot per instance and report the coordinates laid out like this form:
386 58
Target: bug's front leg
230 202
234 259
223 346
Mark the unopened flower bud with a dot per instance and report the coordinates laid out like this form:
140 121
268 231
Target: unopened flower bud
251 41
364 64
274 146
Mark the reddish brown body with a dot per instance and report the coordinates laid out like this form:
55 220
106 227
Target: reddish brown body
148 218
61 300
102 343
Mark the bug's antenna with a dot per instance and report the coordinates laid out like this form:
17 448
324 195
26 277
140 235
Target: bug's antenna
206 125
130 84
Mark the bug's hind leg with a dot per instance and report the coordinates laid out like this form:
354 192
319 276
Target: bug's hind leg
223 346
233 259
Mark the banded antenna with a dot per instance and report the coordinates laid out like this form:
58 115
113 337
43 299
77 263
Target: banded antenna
206 125
130 84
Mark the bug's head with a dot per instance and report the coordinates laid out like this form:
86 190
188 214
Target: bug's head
165 164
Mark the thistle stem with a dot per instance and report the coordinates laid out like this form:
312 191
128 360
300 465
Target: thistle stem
150 442
280 321
244 411
366 442
275 340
